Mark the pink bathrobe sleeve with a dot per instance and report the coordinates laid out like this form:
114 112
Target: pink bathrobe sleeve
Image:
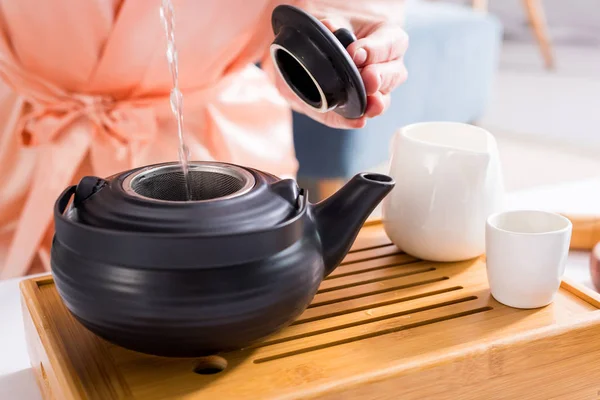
85 91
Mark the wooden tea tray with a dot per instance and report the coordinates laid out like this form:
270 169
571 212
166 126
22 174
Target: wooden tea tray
383 326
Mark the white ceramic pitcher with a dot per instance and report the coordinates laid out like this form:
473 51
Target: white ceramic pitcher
448 181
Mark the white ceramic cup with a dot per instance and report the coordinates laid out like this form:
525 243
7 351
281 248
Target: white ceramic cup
526 253
448 181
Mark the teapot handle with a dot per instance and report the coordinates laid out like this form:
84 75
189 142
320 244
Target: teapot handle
345 37
63 200
86 187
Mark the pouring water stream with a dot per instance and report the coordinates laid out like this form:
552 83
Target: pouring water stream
176 99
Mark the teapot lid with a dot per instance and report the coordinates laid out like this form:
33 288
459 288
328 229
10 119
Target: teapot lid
333 78
226 199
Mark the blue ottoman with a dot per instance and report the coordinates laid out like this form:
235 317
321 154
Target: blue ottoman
451 62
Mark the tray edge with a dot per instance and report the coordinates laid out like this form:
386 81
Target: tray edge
42 352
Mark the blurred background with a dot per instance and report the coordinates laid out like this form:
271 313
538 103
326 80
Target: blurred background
526 70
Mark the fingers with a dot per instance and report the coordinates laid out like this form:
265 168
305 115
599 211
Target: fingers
386 43
371 78
393 74
334 120
384 77
377 104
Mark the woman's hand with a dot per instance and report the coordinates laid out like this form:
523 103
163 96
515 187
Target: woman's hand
378 53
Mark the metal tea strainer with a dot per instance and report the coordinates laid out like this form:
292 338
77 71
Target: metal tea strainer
207 182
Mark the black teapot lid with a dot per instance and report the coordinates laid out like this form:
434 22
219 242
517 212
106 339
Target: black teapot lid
315 64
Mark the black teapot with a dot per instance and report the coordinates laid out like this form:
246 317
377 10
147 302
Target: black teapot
141 266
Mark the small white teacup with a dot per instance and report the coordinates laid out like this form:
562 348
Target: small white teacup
526 253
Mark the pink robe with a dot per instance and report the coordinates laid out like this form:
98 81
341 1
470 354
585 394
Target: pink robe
86 88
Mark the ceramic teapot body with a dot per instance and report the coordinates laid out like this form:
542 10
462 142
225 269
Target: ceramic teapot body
147 271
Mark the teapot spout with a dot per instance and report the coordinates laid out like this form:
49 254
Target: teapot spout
340 217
